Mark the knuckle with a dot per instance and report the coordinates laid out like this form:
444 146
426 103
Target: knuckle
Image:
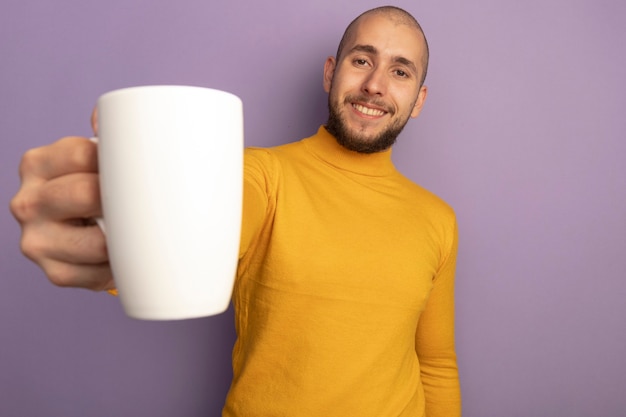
25 206
16 206
62 275
32 247
83 153
31 161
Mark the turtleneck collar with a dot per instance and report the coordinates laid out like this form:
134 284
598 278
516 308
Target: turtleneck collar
325 147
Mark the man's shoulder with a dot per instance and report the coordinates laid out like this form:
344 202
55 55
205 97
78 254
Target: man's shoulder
270 162
273 154
425 198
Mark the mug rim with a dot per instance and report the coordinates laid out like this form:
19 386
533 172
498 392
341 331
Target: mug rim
168 88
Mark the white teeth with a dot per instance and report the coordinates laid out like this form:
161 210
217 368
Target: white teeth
368 111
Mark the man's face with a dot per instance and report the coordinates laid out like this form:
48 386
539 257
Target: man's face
374 86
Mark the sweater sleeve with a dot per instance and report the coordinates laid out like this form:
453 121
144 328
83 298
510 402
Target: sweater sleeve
434 341
257 190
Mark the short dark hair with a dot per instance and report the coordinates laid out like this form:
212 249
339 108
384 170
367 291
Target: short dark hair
397 14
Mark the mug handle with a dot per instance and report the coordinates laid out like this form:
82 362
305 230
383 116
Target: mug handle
98 220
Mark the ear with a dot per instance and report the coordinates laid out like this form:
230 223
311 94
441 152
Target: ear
329 71
419 103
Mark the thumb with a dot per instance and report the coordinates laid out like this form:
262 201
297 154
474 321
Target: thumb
94 120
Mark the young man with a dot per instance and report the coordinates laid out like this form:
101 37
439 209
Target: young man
344 298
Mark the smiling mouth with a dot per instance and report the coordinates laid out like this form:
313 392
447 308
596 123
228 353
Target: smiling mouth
368 111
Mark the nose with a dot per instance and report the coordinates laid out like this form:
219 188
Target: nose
375 84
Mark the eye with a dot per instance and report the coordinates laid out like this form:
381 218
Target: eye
360 62
401 73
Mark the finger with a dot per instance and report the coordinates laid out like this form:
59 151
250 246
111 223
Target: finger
67 155
64 242
61 199
73 196
94 277
94 120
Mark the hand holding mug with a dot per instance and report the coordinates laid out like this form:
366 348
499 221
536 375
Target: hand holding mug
58 195
170 160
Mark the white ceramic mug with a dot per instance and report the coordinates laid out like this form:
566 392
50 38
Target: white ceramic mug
171 167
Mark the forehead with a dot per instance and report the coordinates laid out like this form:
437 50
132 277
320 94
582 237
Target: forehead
388 36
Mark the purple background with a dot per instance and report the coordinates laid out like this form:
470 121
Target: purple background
523 133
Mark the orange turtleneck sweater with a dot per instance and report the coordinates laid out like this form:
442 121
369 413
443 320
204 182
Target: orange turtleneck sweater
344 299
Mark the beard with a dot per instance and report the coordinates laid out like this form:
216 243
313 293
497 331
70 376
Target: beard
356 141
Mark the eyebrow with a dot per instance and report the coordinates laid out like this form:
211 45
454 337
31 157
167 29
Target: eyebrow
370 49
364 48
